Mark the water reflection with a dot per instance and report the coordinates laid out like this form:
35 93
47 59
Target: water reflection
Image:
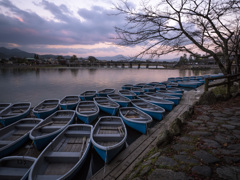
37 84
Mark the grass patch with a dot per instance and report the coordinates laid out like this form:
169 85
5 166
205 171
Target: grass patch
222 90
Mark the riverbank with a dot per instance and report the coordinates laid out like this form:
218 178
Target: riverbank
207 148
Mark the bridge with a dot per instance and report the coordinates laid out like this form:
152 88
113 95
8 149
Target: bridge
119 64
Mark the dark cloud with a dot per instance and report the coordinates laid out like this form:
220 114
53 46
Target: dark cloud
65 29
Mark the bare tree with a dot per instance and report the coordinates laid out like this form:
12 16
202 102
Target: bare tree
204 27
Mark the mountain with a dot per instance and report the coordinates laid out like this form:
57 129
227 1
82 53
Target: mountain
7 53
124 58
113 58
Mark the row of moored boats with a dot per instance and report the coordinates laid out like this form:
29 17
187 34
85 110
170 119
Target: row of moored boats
64 144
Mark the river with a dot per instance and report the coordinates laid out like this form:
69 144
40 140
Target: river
36 84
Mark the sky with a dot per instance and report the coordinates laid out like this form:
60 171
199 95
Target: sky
63 27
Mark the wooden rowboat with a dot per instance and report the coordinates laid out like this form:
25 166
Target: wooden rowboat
167 105
65 155
174 99
105 92
121 100
16 167
14 112
87 111
15 135
88 95
107 105
127 93
69 102
153 110
48 129
109 137
46 108
135 118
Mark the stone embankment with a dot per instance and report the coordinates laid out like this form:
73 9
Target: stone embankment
208 147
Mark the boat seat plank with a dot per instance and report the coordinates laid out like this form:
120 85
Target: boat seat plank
87 111
63 156
110 123
107 135
47 177
25 126
50 128
60 117
74 132
12 172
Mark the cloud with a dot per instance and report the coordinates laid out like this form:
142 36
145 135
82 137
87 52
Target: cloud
24 27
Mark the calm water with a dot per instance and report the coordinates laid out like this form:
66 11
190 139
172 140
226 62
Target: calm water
36 84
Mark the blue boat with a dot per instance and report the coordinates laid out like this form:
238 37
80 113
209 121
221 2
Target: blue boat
172 84
16 167
47 130
14 112
153 83
153 110
149 88
127 93
127 86
188 84
65 155
135 118
69 102
88 95
15 135
175 90
169 93
46 108
107 105
121 100
160 87
109 137
167 105
137 90
105 92
87 111
140 85
174 99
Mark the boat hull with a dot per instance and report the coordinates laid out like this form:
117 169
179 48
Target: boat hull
110 110
45 114
87 119
108 155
